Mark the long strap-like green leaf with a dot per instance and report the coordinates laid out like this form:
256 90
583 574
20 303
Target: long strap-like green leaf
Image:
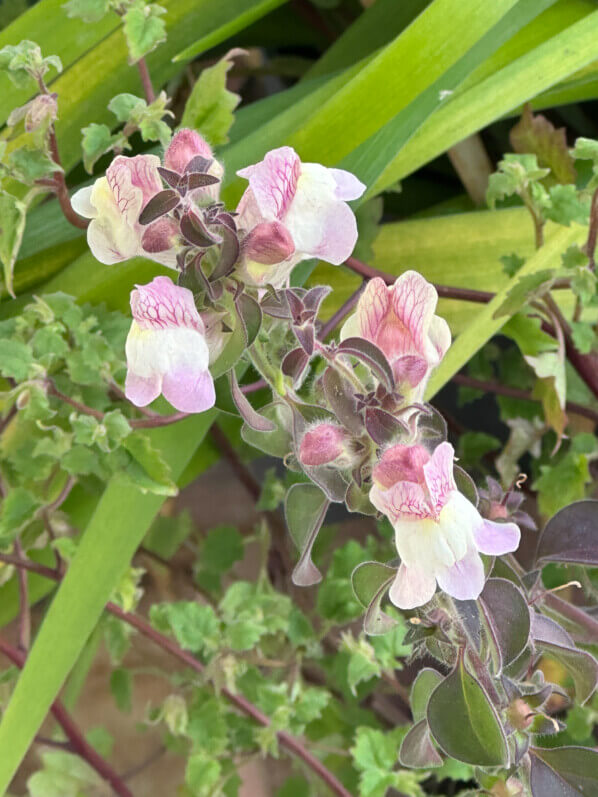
117 527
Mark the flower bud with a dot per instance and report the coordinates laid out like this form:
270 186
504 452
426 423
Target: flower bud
269 243
186 145
322 445
160 236
520 714
401 464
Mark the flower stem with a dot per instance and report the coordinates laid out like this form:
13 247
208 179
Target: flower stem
146 81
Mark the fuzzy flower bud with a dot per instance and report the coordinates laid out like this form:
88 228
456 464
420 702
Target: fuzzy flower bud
186 145
324 444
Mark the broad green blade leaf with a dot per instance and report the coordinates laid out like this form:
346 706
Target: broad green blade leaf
581 665
226 18
469 111
117 527
402 71
417 749
464 722
485 326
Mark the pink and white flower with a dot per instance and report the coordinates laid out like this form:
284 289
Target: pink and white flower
186 145
439 534
166 349
309 200
114 202
400 320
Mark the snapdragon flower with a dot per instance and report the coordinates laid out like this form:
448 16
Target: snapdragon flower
114 202
187 146
309 201
167 350
400 320
439 533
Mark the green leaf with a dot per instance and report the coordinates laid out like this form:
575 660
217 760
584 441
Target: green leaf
123 105
567 205
425 682
563 483
31 164
210 106
148 470
143 28
63 775
97 140
569 771
24 62
16 358
305 510
17 510
584 337
118 525
464 723
194 626
222 547
12 214
202 775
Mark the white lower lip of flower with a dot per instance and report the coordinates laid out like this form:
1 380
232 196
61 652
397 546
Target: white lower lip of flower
435 543
158 351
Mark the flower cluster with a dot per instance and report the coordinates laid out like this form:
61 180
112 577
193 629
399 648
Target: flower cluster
359 429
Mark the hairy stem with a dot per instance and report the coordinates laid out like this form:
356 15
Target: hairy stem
61 190
286 740
146 81
77 741
24 611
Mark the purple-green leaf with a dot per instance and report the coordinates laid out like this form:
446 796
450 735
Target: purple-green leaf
372 356
507 615
417 749
571 535
305 510
464 722
252 418
564 771
159 205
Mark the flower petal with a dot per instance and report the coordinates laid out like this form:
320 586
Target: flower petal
439 334
110 244
347 185
189 391
162 304
438 473
81 202
404 500
142 390
409 368
372 308
185 145
412 587
401 463
497 538
465 579
414 301
273 181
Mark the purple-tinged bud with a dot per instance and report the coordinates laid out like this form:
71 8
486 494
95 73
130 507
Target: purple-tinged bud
322 445
186 145
520 714
42 109
401 464
268 243
160 236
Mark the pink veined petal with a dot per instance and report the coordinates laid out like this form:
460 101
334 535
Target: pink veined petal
438 473
372 308
339 234
189 390
465 579
410 368
412 587
129 188
401 464
414 301
162 304
274 181
497 538
347 185
144 175
404 500
142 390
